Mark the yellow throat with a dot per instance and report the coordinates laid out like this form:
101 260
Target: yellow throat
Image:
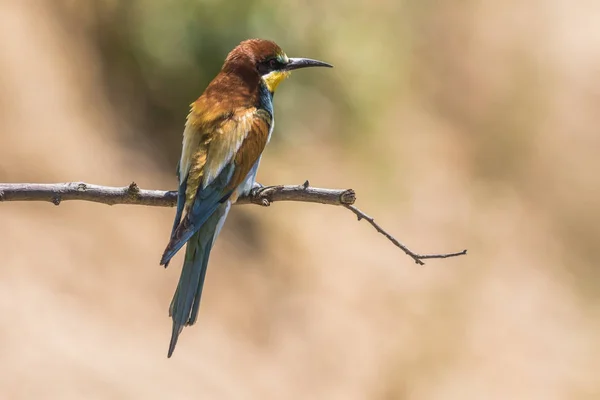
273 79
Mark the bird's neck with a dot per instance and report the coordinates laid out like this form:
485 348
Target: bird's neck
265 98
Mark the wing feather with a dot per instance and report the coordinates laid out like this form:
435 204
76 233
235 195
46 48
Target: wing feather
251 148
226 143
216 158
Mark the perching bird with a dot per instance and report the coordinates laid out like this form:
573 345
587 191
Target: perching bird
225 134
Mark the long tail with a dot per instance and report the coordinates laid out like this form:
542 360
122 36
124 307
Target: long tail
186 301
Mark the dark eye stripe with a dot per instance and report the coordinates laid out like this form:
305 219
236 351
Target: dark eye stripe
271 64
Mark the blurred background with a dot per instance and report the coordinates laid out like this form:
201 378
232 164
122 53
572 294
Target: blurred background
469 124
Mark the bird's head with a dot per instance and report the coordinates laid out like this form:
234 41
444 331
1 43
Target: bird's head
265 59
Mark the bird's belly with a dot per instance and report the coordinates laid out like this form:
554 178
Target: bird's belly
246 186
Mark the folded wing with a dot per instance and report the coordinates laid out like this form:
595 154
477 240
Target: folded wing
217 156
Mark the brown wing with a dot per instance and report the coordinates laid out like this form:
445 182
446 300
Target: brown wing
251 148
208 148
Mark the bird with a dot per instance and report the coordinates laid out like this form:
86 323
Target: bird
225 133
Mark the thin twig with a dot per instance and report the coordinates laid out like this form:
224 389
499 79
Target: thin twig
132 194
417 257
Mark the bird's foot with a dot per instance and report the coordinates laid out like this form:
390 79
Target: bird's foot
256 187
258 196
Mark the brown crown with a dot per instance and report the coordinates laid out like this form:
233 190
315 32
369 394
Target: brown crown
249 52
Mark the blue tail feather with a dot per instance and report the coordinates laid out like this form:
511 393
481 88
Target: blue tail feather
186 301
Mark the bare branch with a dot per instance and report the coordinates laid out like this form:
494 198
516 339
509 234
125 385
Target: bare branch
417 257
132 194
58 192
266 195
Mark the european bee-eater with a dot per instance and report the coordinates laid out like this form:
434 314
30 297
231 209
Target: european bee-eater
225 134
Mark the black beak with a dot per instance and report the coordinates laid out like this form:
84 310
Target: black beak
297 63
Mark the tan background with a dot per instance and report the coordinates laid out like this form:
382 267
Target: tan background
468 124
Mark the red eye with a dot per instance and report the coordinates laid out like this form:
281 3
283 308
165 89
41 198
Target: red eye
273 63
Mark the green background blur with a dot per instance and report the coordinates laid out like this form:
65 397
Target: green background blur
469 124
